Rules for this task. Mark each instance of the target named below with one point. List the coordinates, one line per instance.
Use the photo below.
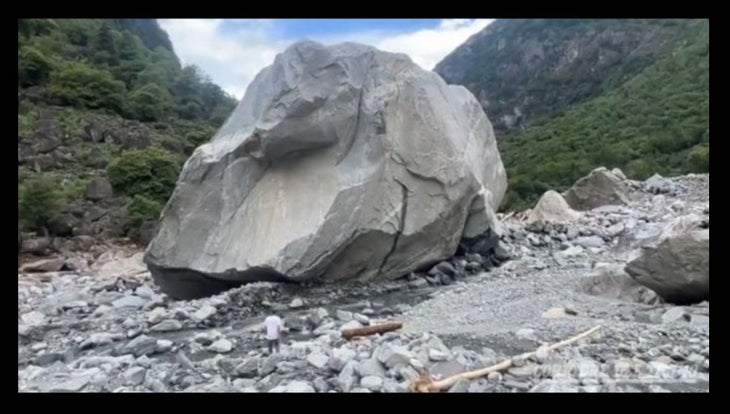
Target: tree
(698, 160)
(150, 103)
(105, 47)
(81, 85)
(39, 202)
(33, 67)
(151, 172)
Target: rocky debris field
(108, 328)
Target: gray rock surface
(678, 269)
(99, 188)
(611, 281)
(71, 339)
(552, 207)
(599, 188)
(331, 149)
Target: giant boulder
(678, 269)
(340, 162)
(599, 188)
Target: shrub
(151, 172)
(141, 209)
(81, 85)
(698, 160)
(150, 103)
(33, 67)
(39, 202)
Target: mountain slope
(106, 117)
(657, 122)
(523, 70)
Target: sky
(233, 51)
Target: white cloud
(232, 57)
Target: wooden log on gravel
(371, 330)
(424, 383)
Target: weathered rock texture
(552, 207)
(678, 269)
(599, 188)
(340, 162)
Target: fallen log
(425, 383)
(371, 330)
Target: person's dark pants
(273, 343)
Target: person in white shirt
(273, 325)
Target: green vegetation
(115, 95)
(150, 172)
(141, 209)
(39, 202)
(124, 66)
(546, 66)
(657, 122)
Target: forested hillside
(569, 95)
(106, 117)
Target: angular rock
(678, 269)
(330, 150)
(145, 291)
(134, 375)
(675, 314)
(526, 333)
(100, 338)
(362, 319)
(48, 358)
(268, 365)
(611, 281)
(99, 188)
(391, 355)
(250, 367)
(556, 386)
(321, 385)
(221, 346)
(656, 184)
(590, 241)
(370, 367)
(318, 315)
(156, 315)
(419, 283)
(340, 357)
(599, 188)
(299, 387)
(167, 325)
(163, 345)
(141, 345)
(353, 324)
(525, 371)
(347, 378)
(552, 207)
(437, 355)
(345, 316)
(75, 384)
(33, 318)
(372, 383)
(129, 302)
(317, 359)
(205, 312)
(618, 173)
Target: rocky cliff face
(341, 162)
(526, 69)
